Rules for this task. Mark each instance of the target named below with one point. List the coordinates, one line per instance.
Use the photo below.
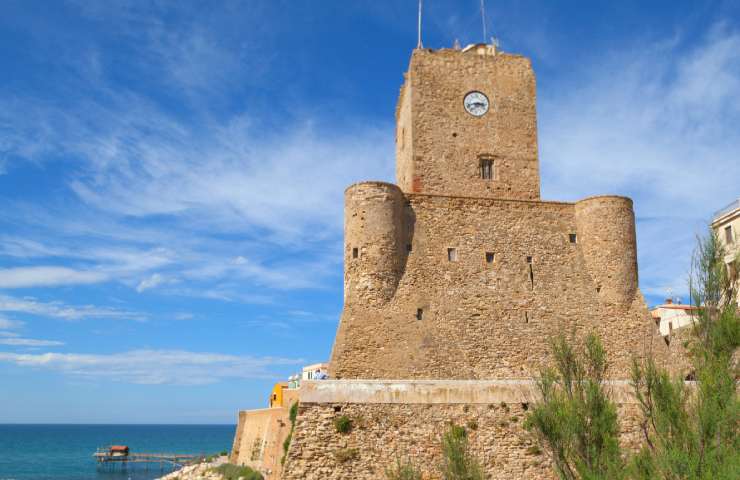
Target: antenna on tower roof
(483, 19)
(418, 43)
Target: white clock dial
(476, 103)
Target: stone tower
(443, 150)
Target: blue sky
(171, 174)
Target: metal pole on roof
(483, 18)
(418, 43)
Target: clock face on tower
(476, 103)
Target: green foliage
(234, 472)
(692, 433)
(576, 421)
(344, 455)
(292, 416)
(224, 453)
(458, 462)
(343, 424)
(293, 413)
(403, 471)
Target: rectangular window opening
(728, 234)
(355, 252)
(486, 169)
(419, 313)
(490, 257)
(526, 317)
(452, 254)
(573, 238)
(529, 259)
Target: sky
(172, 174)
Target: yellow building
(726, 225)
(276, 397)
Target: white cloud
(45, 276)
(29, 342)
(8, 324)
(60, 310)
(152, 366)
(150, 282)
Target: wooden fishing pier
(120, 455)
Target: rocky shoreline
(199, 471)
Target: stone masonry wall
(383, 432)
(482, 320)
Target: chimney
(668, 301)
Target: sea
(65, 452)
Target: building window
(486, 169)
(419, 313)
(573, 238)
(728, 234)
(355, 252)
(731, 271)
(529, 259)
(489, 257)
(452, 254)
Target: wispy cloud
(153, 366)
(8, 324)
(657, 123)
(46, 276)
(28, 342)
(32, 306)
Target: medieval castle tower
(461, 271)
(457, 277)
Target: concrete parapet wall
(429, 392)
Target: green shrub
(234, 472)
(458, 461)
(343, 424)
(346, 454)
(403, 471)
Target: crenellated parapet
(606, 236)
(374, 242)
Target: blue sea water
(64, 452)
